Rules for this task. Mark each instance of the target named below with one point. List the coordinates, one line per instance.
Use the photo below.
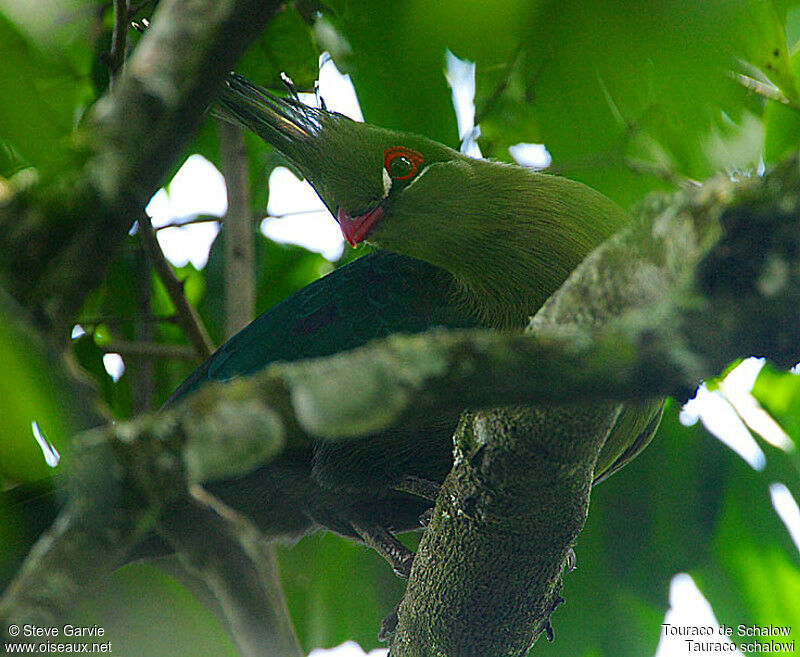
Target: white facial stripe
(418, 176)
(387, 183)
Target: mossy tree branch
(122, 152)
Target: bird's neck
(519, 240)
(505, 286)
(508, 236)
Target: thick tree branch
(126, 145)
(710, 275)
(239, 567)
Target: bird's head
(361, 172)
(508, 236)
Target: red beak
(356, 229)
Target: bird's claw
(419, 487)
(388, 624)
(386, 544)
(425, 517)
(572, 560)
(402, 568)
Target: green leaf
(337, 591)
(753, 574)
(39, 94)
(396, 69)
(779, 393)
(632, 80)
(754, 577)
(687, 504)
(782, 124)
(285, 46)
(33, 388)
(763, 44)
(145, 612)
(599, 84)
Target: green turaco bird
(466, 242)
(462, 242)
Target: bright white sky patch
(189, 244)
(348, 649)
(289, 194)
(461, 78)
(736, 389)
(787, 509)
(688, 608)
(531, 155)
(337, 90)
(49, 451)
(197, 189)
(114, 365)
(300, 216)
(185, 198)
(720, 417)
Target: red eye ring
(390, 154)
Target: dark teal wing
(374, 296)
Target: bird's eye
(401, 163)
(400, 167)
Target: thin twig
(148, 349)
(116, 320)
(141, 369)
(207, 219)
(659, 171)
(488, 105)
(613, 155)
(119, 36)
(240, 298)
(189, 221)
(763, 89)
(190, 320)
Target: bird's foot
(572, 560)
(419, 487)
(381, 540)
(425, 517)
(388, 624)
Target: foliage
(629, 97)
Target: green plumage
(507, 236)
(372, 297)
